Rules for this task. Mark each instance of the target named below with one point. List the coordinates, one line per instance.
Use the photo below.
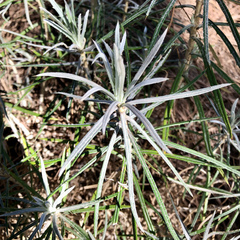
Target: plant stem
(193, 33)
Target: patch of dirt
(216, 15)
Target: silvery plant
(51, 211)
(123, 118)
(67, 23)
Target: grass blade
(121, 190)
(230, 22)
(79, 230)
(201, 113)
(134, 123)
(203, 156)
(168, 110)
(160, 23)
(27, 12)
(217, 93)
(205, 30)
(101, 179)
(154, 188)
(181, 222)
(226, 77)
(150, 225)
(206, 233)
(232, 221)
(226, 41)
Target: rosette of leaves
(67, 23)
(51, 211)
(121, 115)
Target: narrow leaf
(55, 227)
(82, 144)
(178, 95)
(226, 77)
(205, 29)
(134, 123)
(226, 41)
(217, 94)
(107, 115)
(148, 59)
(160, 23)
(144, 83)
(44, 176)
(25, 210)
(230, 21)
(204, 156)
(149, 127)
(154, 188)
(128, 154)
(101, 180)
(75, 226)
